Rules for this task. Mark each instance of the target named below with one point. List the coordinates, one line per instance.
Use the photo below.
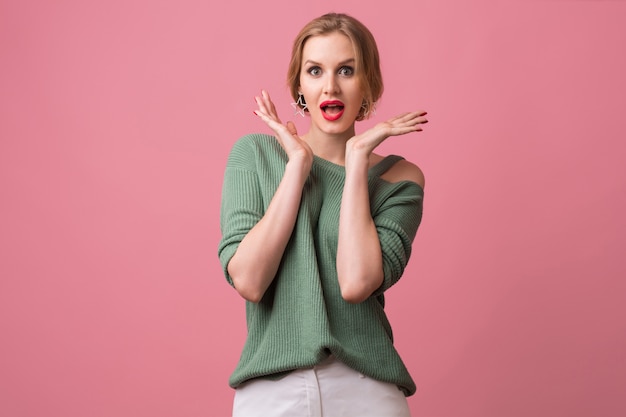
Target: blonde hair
(365, 51)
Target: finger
(416, 120)
(263, 116)
(264, 105)
(403, 130)
(405, 117)
(421, 116)
(417, 116)
(399, 118)
(269, 104)
(411, 119)
(278, 128)
(291, 127)
(268, 100)
(268, 118)
(261, 104)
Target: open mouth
(332, 109)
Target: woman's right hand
(255, 264)
(297, 149)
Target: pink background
(115, 122)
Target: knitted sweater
(302, 317)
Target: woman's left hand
(396, 126)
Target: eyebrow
(347, 61)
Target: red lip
(332, 103)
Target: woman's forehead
(334, 46)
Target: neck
(331, 147)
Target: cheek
(306, 86)
(356, 91)
(357, 97)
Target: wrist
(357, 154)
(299, 167)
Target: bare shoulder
(404, 170)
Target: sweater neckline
(375, 170)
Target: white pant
(330, 389)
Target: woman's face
(329, 83)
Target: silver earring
(367, 111)
(300, 105)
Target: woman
(316, 227)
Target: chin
(336, 127)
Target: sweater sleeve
(397, 220)
(242, 202)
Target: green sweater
(302, 317)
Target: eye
(315, 71)
(346, 71)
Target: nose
(331, 86)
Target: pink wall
(115, 122)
